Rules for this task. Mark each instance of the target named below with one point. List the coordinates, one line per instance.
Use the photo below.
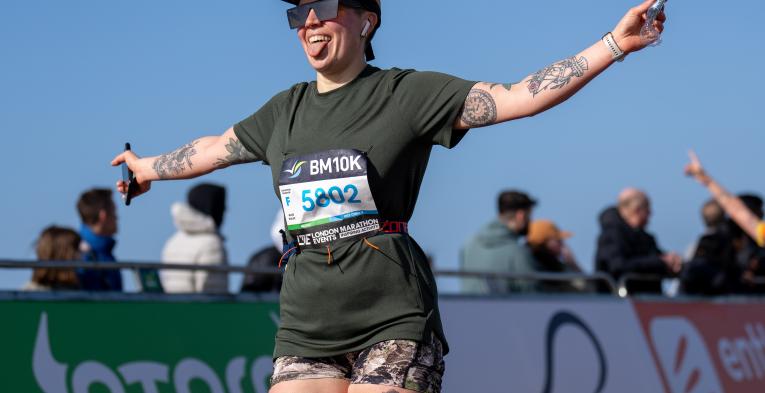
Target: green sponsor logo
(183, 348)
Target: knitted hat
(209, 199)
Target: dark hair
(513, 200)
(753, 202)
(374, 7)
(91, 202)
(57, 244)
(712, 214)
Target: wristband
(761, 234)
(616, 53)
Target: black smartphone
(127, 177)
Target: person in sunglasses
(348, 153)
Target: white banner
(555, 346)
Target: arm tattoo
(557, 75)
(507, 86)
(479, 109)
(173, 164)
(237, 154)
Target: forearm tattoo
(479, 109)
(237, 154)
(557, 75)
(171, 165)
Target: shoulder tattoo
(479, 109)
(237, 154)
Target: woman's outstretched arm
(492, 103)
(194, 159)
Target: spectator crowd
(197, 241)
(727, 259)
(512, 249)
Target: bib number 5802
(323, 198)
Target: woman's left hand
(627, 32)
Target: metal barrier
(16, 264)
(632, 277)
(617, 288)
(539, 277)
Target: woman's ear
(373, 21)
(102, 216)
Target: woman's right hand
(140, 174)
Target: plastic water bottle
(649, 32)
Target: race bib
(326, 197)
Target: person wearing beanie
(547, 244)
(197, 241)
(348, 152)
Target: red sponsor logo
(701, 347)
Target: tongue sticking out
(316, 48)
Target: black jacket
(623, 249)
(713, 269)
(267, 258)
(549, 263)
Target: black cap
(514, 200)
(369, 5)
(209, 199)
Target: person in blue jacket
(99, 225)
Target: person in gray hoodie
(197, 241)
(497, 248)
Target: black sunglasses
(324, 9)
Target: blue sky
(80, 78)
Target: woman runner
(348, 152)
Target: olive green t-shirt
(354, 294)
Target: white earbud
(365, 30)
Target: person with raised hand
(733, 206)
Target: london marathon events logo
(296, 169)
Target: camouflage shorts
(396, 363)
